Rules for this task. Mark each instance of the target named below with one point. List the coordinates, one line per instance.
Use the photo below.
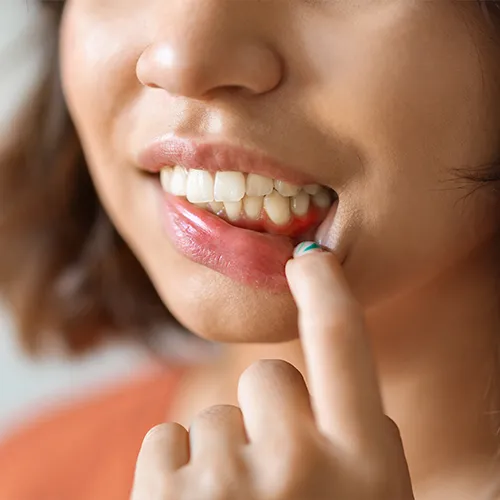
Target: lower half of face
(381, 115)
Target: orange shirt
(86, 451)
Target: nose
(208, 47)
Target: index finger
(341, 370)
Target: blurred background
(27, 386)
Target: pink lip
(252, 258)
(246, 256)
(216, 157)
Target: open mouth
(234, 210)
(251, 201)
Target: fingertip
(302, 251)
(309, 259)
(313, 272)
(306, 247)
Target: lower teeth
(279, 209)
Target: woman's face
(378, 100)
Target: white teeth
(178, 181)
(165, 176)
(312, 189)
(277, 208)
(322, 199)
(258, 185)
(200, 186)
(253, 206)
(285, 188)
(216, 206)
(300, 204)
(226, 194)
(229, 186)
(233, 209)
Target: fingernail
(306, 247)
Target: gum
(297, 226)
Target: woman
(218, 135)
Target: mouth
(233, 210)
(251, 201)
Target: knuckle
(218, 416)
(219, 412)
(268, 369)
(155, 433)
(162, 432)
(263, 367)
(162, 435)
(154, 439)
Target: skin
(335, 442)
(388, 99)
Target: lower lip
(252, 258)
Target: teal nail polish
(305, 247)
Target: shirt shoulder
(86, 450)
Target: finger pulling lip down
(250, 257)
(235, 210)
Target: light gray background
(27, 387)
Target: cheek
(404, 213)
(98, 60)
(406, 240)
(410, 87)
(99, 82)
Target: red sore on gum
(297, 226)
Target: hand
(285, 442)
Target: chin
(218, 309)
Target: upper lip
(216, 157)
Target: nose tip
(200, 70)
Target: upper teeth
(235, 191)
(200, 187)
(228, 186)
(258, 185)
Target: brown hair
(65, 272)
